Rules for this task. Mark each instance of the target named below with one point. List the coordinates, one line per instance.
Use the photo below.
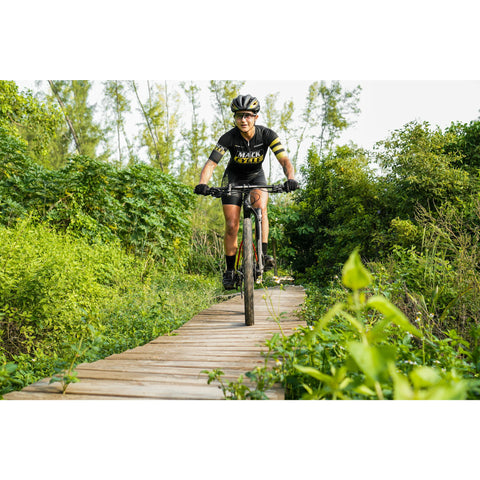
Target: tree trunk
(62, 106)
(119, 122)
(147, 120)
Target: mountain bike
(250, 251)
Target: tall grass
(441, 281)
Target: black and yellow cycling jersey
(247, 156)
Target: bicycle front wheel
(248, 272)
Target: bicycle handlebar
(220, 191)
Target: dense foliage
(416, 223)
(139, 205)
(92, 253)
(346, 202)
(58, 291)
(28, 120)
(97, 251)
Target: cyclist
(247, 143)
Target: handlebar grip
(214, 192)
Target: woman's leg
(260, 200)
(232, 222)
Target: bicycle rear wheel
(248, 273)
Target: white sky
(385, 105)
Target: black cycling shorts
(234, 178)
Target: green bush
(58, 292)
(338, 209)
(206, 253)
(439, 281)
(146, 210)
(30, 121)
(362, 347)
(421, 169)
(48, 280)
(348, 202)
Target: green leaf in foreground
(392, 314)
(354, 275)
(371, 360)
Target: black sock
(264, 248)
(230, 262)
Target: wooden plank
(170, 366)
(150, 365)
(273, 394)
(133, 389)
(231, 372)
(27, 395)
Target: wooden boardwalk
(170, 367)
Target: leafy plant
(352, 352)
(64, 367)
(139, 206)
(55, 288)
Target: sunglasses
(239, 116)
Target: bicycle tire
(248, 272)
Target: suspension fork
(258, 238)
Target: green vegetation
(146, 210)
(362, 347)
(98, 249)
(410, 329)
(59, 293)
(93, 255)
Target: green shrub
(49, 280)
(60, 295)
(27, 119)
(338, 209)
(147, 210)
(206, 253)
(362, 347)
(348, 202)
(439, 281)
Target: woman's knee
(231, 226)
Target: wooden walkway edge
(169, 367)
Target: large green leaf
(354, 275)
(371, 360)
(402, 389)
(423, 377)
(392, 314)
(313, 372)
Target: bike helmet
(245, 103)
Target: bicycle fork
(258, 244)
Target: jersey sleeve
(219, 150)
(275, 145)
(217, 153)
